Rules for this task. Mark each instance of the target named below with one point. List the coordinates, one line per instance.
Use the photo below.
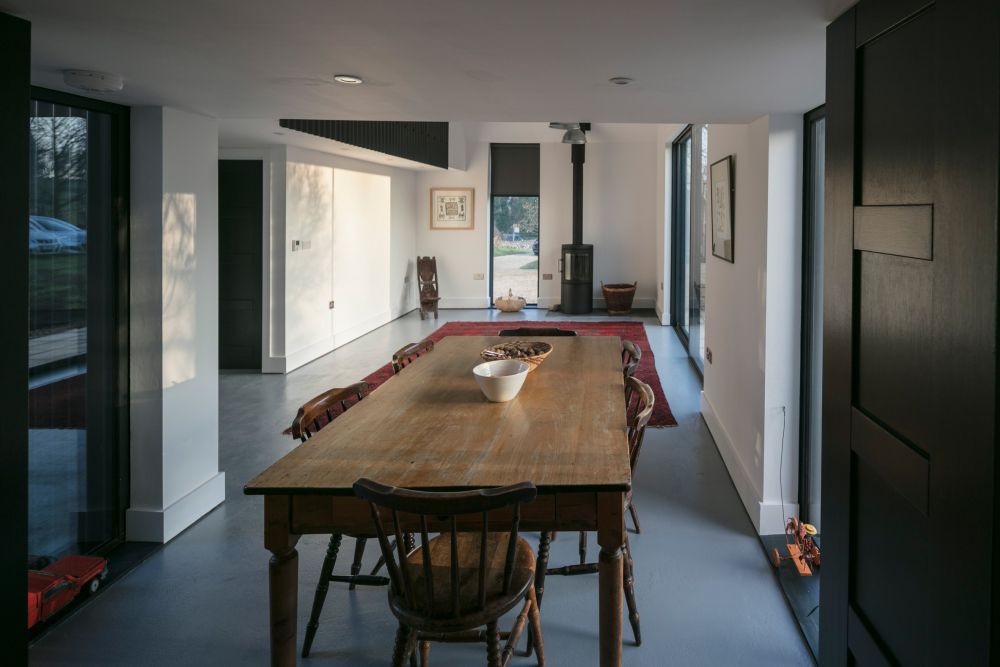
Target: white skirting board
(767, 517)
(162, 525)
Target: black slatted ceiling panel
(421, 142)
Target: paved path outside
(508, 275)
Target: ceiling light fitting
(621, 80)
(93, 82)
(573, 135)
(349, 79)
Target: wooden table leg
(283, 589)
(283, 579)
(611, 538)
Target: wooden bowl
(508, 351)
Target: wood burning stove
(577, 266)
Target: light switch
(546, 276)
(478, 276)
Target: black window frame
(680, 232)
(807, 333)
(120, 138)
(492, 196)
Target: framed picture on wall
(723, 191)
(453, 208)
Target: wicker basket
(510, 303)
(618, 297)
(490, 354)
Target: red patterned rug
(633, 331)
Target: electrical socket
(331, 305)
(546, 276)
(478, 276)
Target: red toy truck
(51, 589)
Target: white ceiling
(445, 60)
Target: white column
(174, 402)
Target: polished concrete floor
(706, 593)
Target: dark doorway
(910, 335)
(241, 215)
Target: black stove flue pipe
(577, 262)
(579, 157)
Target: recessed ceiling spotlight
(349, 79)
(621, 80)
(93, 82)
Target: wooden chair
(638, 411)
(454, 584)
(631, 354)
(313, 416)
(427, 276)
(526, 332)
(320, 411)
(405, 355)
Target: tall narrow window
(690, 210)
(681, 223)
(76, 264)
(699, 230)
(514, 218)
(812, 316)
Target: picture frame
(723, 194)
(453, 208)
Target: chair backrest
(526, 332)
(320, 411)
(443, 509)
(427, 275)
(631, 354)
(406, 354)
(639, 402)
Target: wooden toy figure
(802, 550)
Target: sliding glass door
(77, 261)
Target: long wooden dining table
(429, 427)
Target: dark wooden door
(241, 212)
(910, 362)
(15, 86)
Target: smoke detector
(93, 82)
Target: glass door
(515, 247)
(77, 261)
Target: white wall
(665, 136)
(784, 316)
(752, 312)
(622, 210)
(355, 224)
(174, 444)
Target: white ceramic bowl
(501, 380)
